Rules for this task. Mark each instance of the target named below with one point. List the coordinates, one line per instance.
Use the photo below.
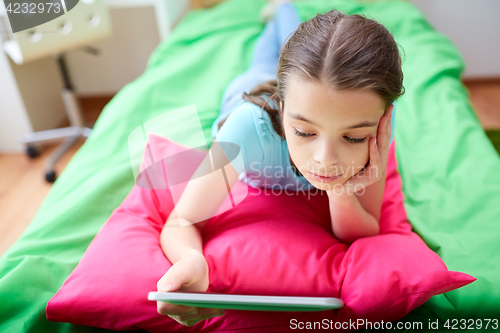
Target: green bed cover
(450, 169)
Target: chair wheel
(50, 176)
(32, 151)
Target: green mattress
(450, 170)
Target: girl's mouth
(324, 179)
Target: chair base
(69, 135)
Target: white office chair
(87, 22)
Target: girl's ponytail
(272, 105)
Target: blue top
(264, 160)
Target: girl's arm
(358, 215)
(178, 241)
(355, 216)
(371, 199)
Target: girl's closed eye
(348, 139)
(354, 140)
(304, 135)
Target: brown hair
(345, 51)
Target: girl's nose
(326, 155)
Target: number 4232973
(33, 8)
(455, 324)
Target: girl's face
(327, 130)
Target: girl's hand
(374, 171)
(190, 274)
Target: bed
(449, 168)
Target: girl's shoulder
(242, 129)
(250, 121)
(250, 128)
(265, 158)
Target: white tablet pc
(246, 302)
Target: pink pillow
(286, 247)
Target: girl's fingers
(375, 154)
(382, 130)
(387, 142)
(202, 315)
(389, 129)
(205, 313)
(375, 166)
(384, 135)
(174, 309)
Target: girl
(327, 118)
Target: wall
(473, 26)
(123, 56)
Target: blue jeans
(264, 65)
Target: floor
(22, 193)
(485, 96)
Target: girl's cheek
(361, 160)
